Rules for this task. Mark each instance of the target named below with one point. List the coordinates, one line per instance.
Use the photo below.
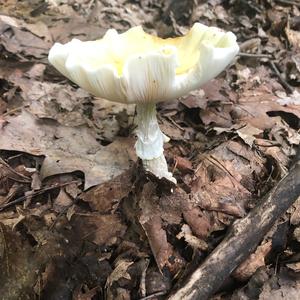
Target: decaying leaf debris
(79, 219)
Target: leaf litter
(78, 217)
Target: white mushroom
(136, 67)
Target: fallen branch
(242, 240)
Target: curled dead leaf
(253, 262)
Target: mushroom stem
(149, 145)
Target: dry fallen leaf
(281, 288)
(294, 266)
(54, 101)
(21, 42)
(200, 222)
(17, 265)
(120, 271)
(106, 196)
(294, 38)
(256, 260)
(99, 229)
(62, 201)
(66, 149)
(248, 133)
(152, 223)
(295, 215)
(192, 240)
(217, 186)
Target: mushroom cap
(136, 67)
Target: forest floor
(79, 219)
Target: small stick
(39, 192)
(281, 79)
(4, 163)
(256, 55)
(153, 295)
(12, 111)
(242, 240)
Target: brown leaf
(120, 272)
(99, 229)
(152, 224)
(171, 130)
(294, 38)
(195, 99)
(248, 134)
(217, 184)
(296, 234)
(218, 114)
(254, 108)
(17, 266)
(52, 100)
(156, 282)
(224, 178)
(276, 153)
(199, 221)
(62, 201)
(256, 260)
(76, 27)
(171, 206)
(18, 41)
(67, 149)
(106, 197)
(256, 105)
(294, 266)
(295, 215)
(280, 288)
(183, 164)
(3, 107)
(162, 250)
(87, 295)
(226, 196)
(108, 118)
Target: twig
(23, 198)
(242, 239)
(281, 79)
(12, 111)
(60, 215)
(153, 295)
(142, 287)
(4, 163)
(175, 124)
(256, 55)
